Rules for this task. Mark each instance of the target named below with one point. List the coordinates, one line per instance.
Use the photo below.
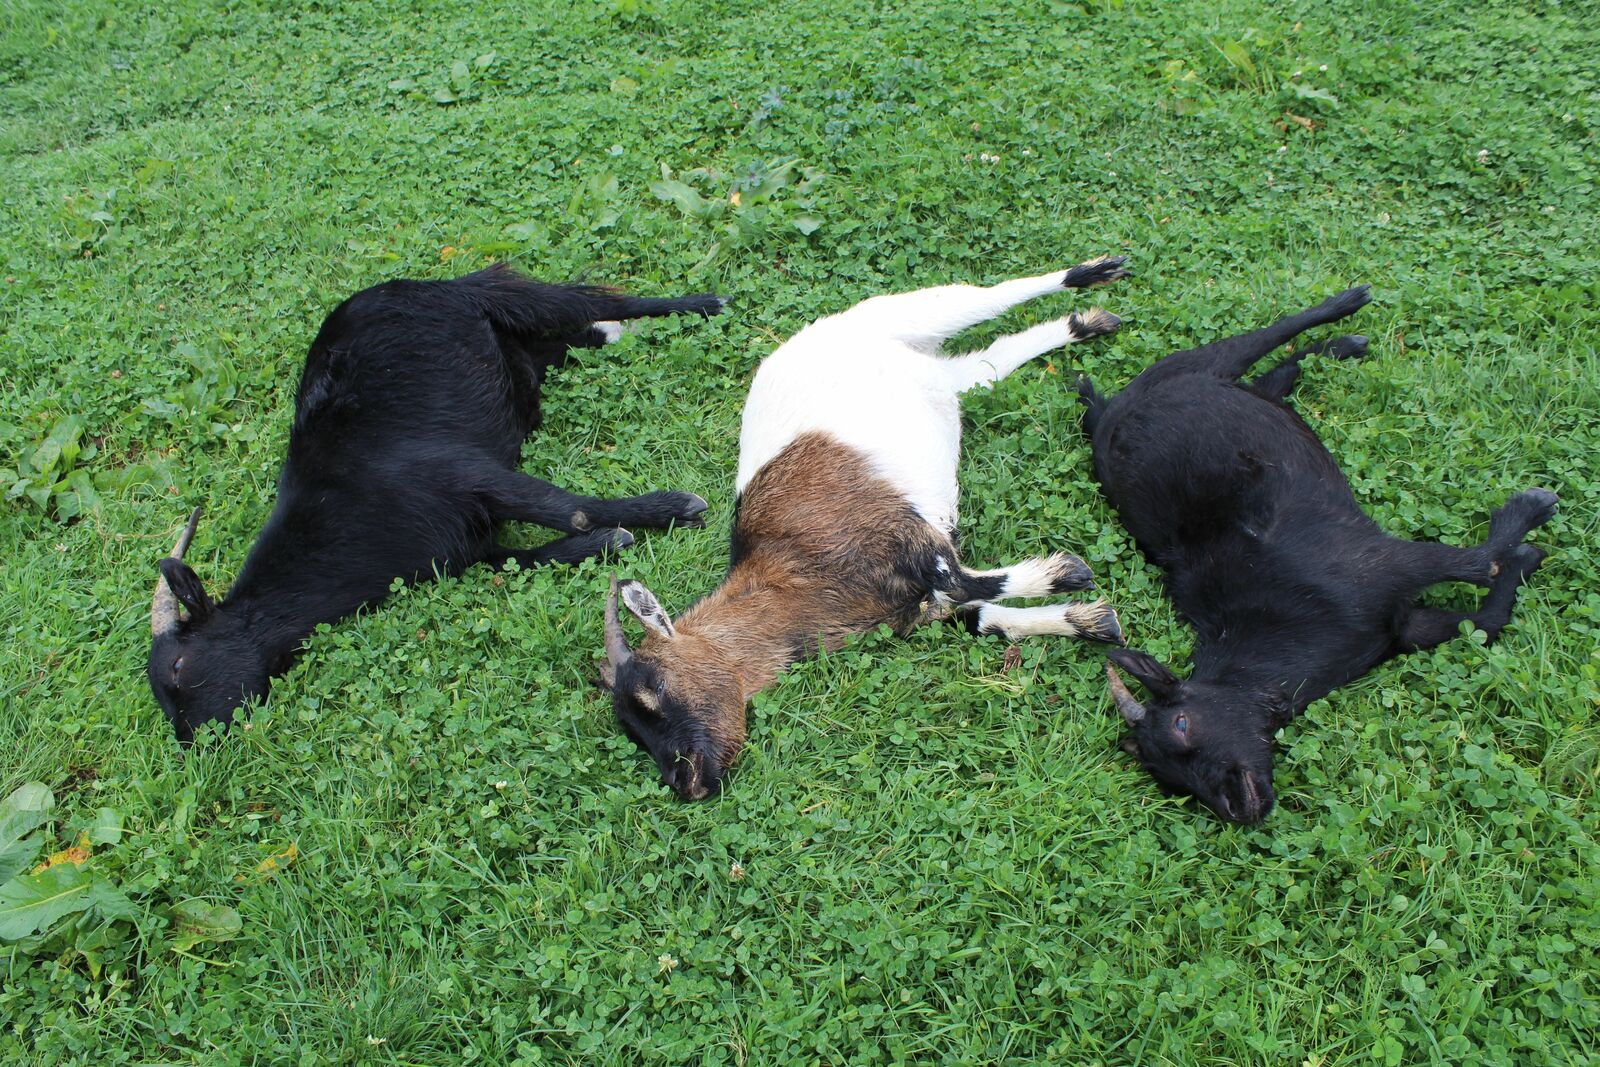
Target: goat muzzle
(1131, 709)
(617, 650)
(165, 614)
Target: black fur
(402, 460)
(1293, 591)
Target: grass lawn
(433, 845)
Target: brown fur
(821, 551)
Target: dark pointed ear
(187, 587)
(646, 608)
(1149, 670)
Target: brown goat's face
(686, 710)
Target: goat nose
(1255, 796)
(688, 777)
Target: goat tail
(1094, 403)
(519, 305)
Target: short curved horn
(1131, 709)
(164, 605)
(617, 650)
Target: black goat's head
(201, 668)
(677, 695)
(1201, 739)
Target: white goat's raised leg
(1005, 355)
(926, 317)
(1093, 622)
(1040, 577)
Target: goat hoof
(1069, 573)
(1095, 272)
(1106, 628)
(1539, 505)
(1525, 559)
(694, 507)
(1349, 301)
(1350, 346)
(707, 304)
(1096, 322)
(618, 540)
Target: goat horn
(1131, 709)
(617, 650)
(164, 606)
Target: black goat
(408, 427)
(1293, 591)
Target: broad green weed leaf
(685, 198)
(107, 827)
(194, 921)
(15, 856)
(25, 810)
(1303, 91)
(34, 901)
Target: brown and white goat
(845, 519)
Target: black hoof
(1350, 346)
(1071, 574)
(1523, 561)
(1106, 628)
(1095, 272)
(1096, 322)
(1347, 302)
(1533, 507)
(693, 509)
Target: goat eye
(1181, 724)
(177, 665)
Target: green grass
(937, 860)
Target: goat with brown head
(845, 520)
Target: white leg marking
(926, 317)
(1040, 577)
(612, 331)
(1095, 621)
(1007, 354)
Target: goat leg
(573, 549)
(1278, 381)
(516, 497)
(1232, 356)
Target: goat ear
(1152, 672)
(644, 606)
(608, 677)
(187, 587)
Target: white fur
(1033, 577)
(1068, 620)
(873, 378)
(611, 331)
